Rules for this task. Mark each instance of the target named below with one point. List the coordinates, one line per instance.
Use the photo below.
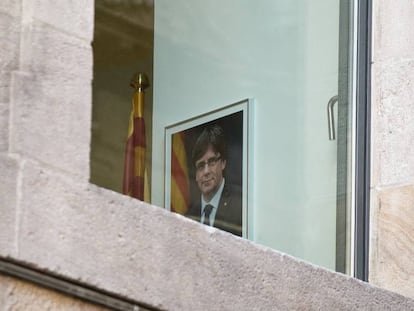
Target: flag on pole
(135, 177)
(180, 189)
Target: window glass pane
(264, 73)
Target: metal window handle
(331, 119)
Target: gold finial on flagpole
(139, 81)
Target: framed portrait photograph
(207, 168)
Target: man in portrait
(219, 204)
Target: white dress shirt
(214, 202)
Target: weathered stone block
(16, 294)
(9, 56)
(8, 205)
(4, 126)
(51, 122)
(11, 7)
(393, 34)
(51, 53)
(393, 122)
(9, 40)
(392, 237)
(5, 82)
(68, 16)
(121, 245)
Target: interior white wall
(284, 56)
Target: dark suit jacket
(229, 213)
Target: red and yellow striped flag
(134, 165)
(180, 189)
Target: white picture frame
(236, 121)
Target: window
(295, 64)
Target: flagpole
(135, 181)
(140, 82)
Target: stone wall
(392, 178)
(54, 220)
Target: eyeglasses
(210, 163)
